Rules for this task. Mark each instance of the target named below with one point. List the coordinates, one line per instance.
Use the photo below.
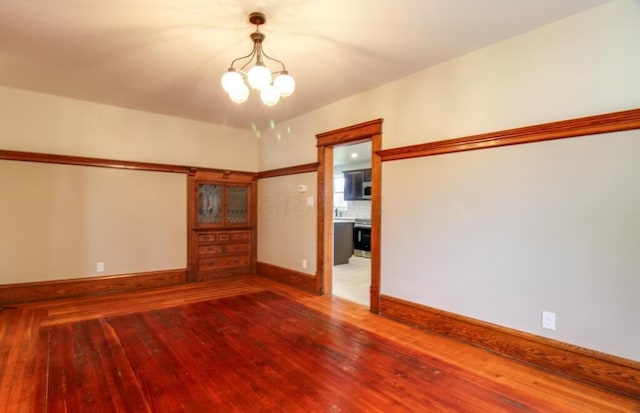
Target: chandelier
(259, 77)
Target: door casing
(366, 131)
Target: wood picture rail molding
(109, 163)
(590, 125)
(291, 170)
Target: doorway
(352, 222)
(327, 143)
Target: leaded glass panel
(210, 204)
(237, 204)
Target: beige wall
(283, 213)
(503, 234)
(36, 122)
(583, 65)
(59, 221)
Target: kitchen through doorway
(370, 131)
(352, 221)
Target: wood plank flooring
(249, 344)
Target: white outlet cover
(309, 201)
(548, 320)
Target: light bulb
(239, 94)
(270, 95)
(231, 80)
(285, 83)
(259, 76)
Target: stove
(362, 238)
(362, 223)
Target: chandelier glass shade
(271, 85)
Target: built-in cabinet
(356, 183)
(222, 220)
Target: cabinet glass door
(210, 204)
(237, 204)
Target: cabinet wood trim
(223, 233)
(291, 170)
(607, 371)
(50, 290)
(590, 125)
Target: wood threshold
(590, 125)
(51, 290)
(609, 372)
(291, 170)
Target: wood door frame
(367, 131)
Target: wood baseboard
(50, 290)
(607, 371)
(294, 278)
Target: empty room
(320, 206)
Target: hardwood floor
(250, 344)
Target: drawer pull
(206, 237)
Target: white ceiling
(167, 56)
(357, 153)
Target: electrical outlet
(100, 266)
(548, 320)
(304, 263)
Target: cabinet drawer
(223, 262)
(233, 236)
(210, 249)
(233, 248)
(207, 237)
(240, 236)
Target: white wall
(583, 65)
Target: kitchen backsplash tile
(357, 209)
